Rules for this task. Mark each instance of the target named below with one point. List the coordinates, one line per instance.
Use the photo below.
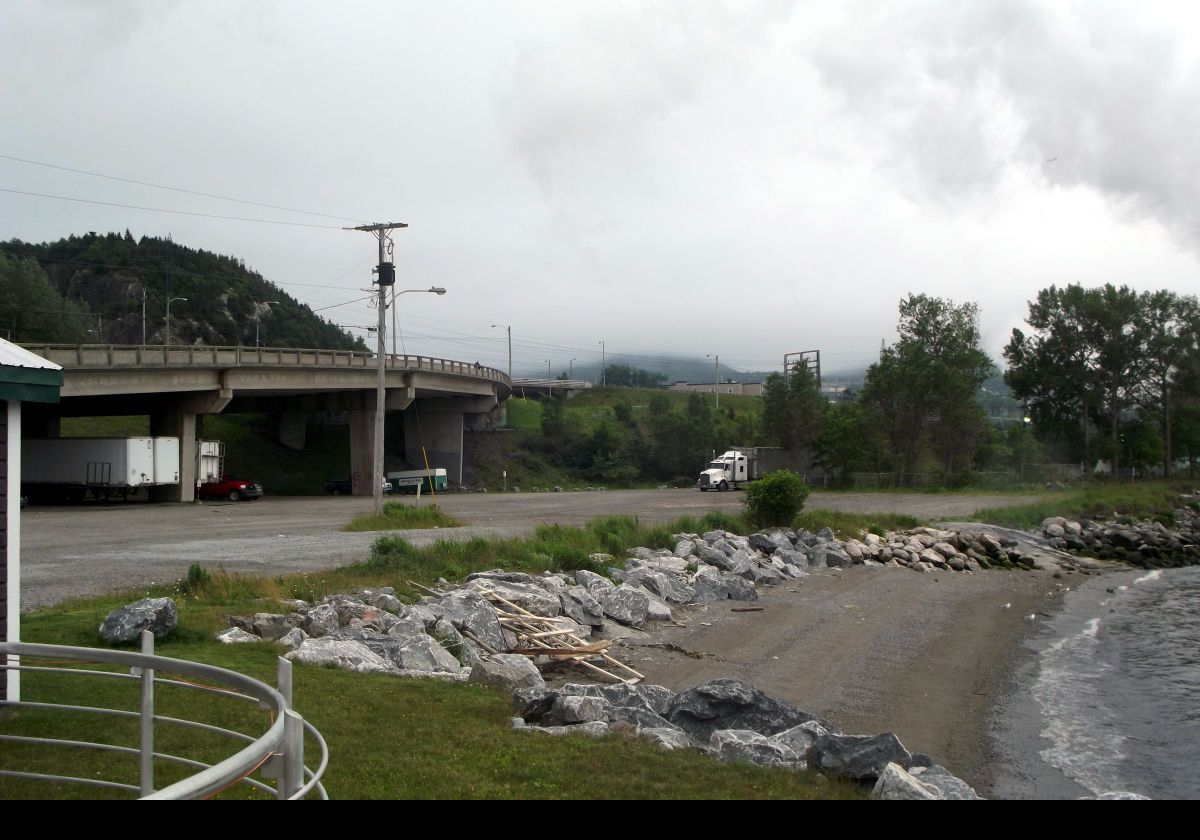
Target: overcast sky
(681, 178)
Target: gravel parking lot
(93, 549)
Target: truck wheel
(234, 496)
(724, 486)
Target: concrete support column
(441, 434)
(180, 424)
(362, 450)
(10, 583)
(292, 428)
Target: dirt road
(89, 550)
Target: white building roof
(13, 356)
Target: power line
(176, 189)
(172, 212)
(347, 303)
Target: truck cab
(730, 470)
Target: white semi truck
(747, 463)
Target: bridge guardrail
(116, 355)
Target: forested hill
(89, 289)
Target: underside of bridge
(435, 413)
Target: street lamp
(716, 376)
(169, 302)
(549, 381)
(258, 316)
(509, 328)
(381, 389)
(433, 290)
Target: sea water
(1114, 689)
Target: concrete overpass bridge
(177, 386)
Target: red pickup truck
(233, 489)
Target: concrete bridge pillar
(183, 425)
(292, 428)
(441, 435)
(362, 450)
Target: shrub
(775, 499)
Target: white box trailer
(210, 461)
(409, 480)
(71, 468)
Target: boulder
(274, 626)
(593, 729)
(627, 605)
(944, 782)
(745, 745)
(897, 785)
(581, 606)
(422, 653)
(568, 709)
(293, 638)
(237, 636)
(654, 698)
(467, 610)
(768, 542)
(671, 589)
(509, 671)
(337, 653)
(383, 598)
(596, 584)
(531, 597)
(685, 545)
(638, 717)
(800, 738)
(667, 738)
(321, 620)
(861, 757)
(158, 615)
(731, 703)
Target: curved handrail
(212, 779)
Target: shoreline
(934, 658)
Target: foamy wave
(1154, 575)
(1084, 743)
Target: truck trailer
(72, 468)
(748, 463)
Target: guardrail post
(147, 719)
(293, 755)
(283, 678)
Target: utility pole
(143, 315)
(603, 363)
(716, 376)
(572, 374)
(385, 278)
(549, 381)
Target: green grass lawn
(398, 516)
(1098, 500)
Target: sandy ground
(872, 649)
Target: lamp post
(603, 364)
(716, 375)
(549, 381)
(509, 328)
(258, 316)
(572, 374)
(169, 302)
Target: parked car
(233, 489)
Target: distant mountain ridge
(102, 279)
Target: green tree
(793, 409)
(1170, 326)
(928, 379)
(32, 310)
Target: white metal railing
(153, 355)
(278, 753)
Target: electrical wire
(177, 189)
(173, 212)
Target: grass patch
(853, 525)
(1099, 500)
(398, 516)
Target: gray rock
(533, 704)
(407, 628)
(568, 710)
(860, 757)
(158, 615)
(503, 576)
(712, 556)
(800, 738)
(422, 653)
(671, 589)
(745, 745)
(596, 584)
(581, 606)
(321, 620)
(1117, 795)
(767, 576)
(237, 636)
(274, 626)
(427, 614)
(532, 597)
(337, 653)
(467, 610)
(731, 703)
(383, 598)
(509, 671)
(667, 738)
(638, 717)
(896, 785)
(293, 638)
(772, 540)
(593, 729)
(685, 547)
(654, 698)
(946, 783)
(627, 605)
